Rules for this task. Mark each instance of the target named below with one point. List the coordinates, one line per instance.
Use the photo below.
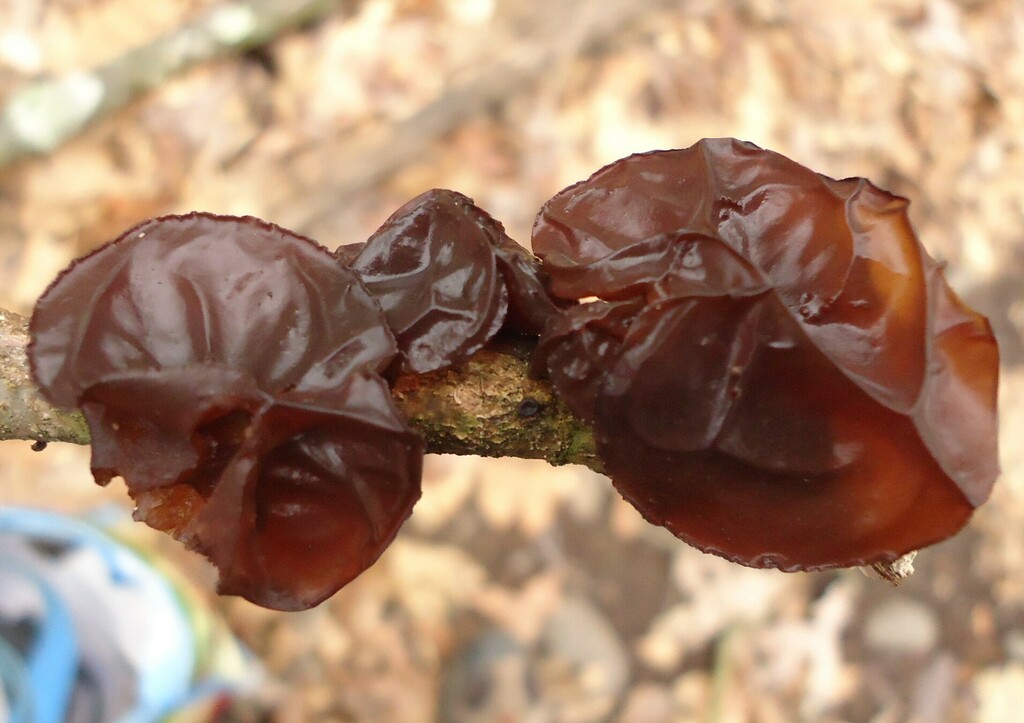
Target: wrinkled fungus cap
(203, 289)
(228, 370)
(801, 388)
(577, 347)
(448, 278)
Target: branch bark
(24, 414)
(521, 47)
(489, 407)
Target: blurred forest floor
(517, 591)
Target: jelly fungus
(229, 371)
(448, 278)
(775, 369)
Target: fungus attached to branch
(775, 369)
(228, 370)
(448, 278)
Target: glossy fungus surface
(775, 369)
(448, 278)
(228, 370)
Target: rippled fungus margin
(229, 371)
(775, 369)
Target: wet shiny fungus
(228, 370)
(775, 369)
(448, 278)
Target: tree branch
(24, 414)
(489, 407)
(40, 117)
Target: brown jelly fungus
(448, 278)
(229, 371)
(775, 369)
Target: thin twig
(514, 55)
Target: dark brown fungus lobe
(290, 497)
(203, 289)
(530, 304)
(448, 278)
(431, 267)
(229, 371)
(578, 345)
(794, 385)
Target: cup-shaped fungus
(448, 278)
(775, 369)
(229, 371)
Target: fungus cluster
(773, 367)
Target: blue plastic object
(95, 625)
